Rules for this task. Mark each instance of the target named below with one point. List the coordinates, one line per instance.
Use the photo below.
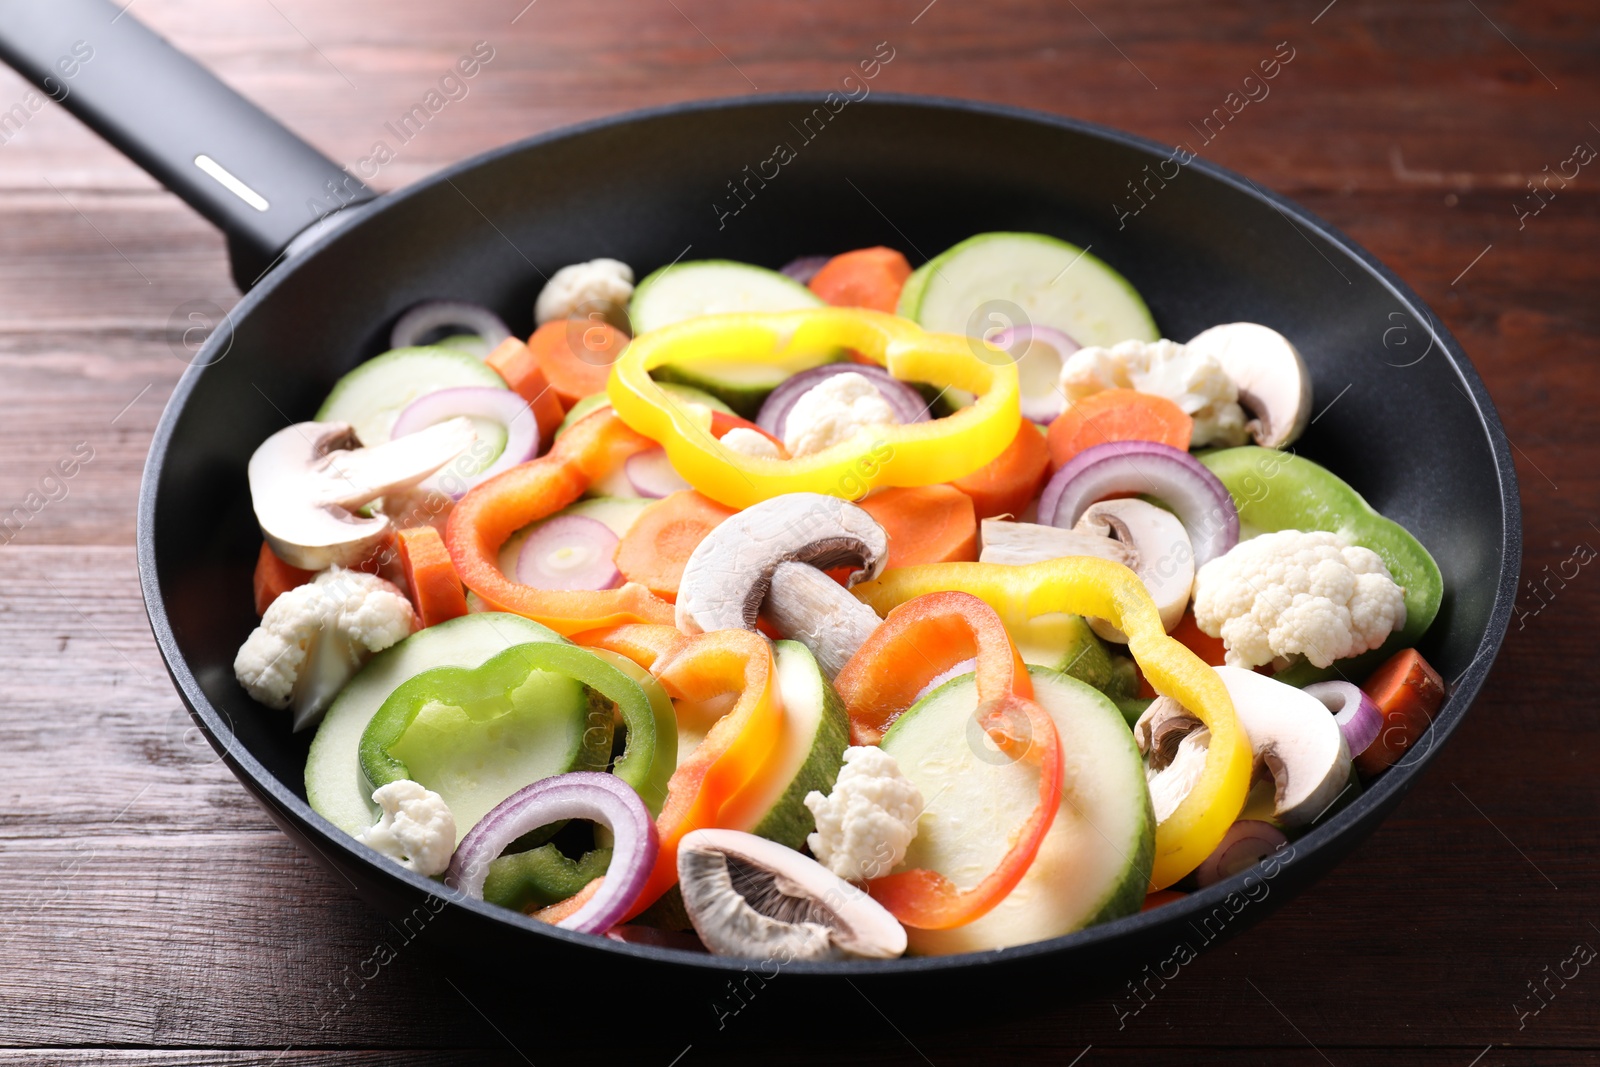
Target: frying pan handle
(229, 160)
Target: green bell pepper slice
(644, 765)
(540, 877)
(1276, 490)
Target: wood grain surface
(151, 914)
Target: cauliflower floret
(316, 636)
(834, 410)
(417, 827)
(1297, 594)
(602, 285)
(865, 825)
(1195, 381)
(750, 443)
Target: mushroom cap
(1175, 745)
(1162, 555)
(754, 898)
(1295, 740)
(307, 479)
(730, 572)
(1273, 380)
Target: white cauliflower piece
(315, 637)
(835, 410)
(1195, 381)
(865, 825)
(750, 443)
(1290, 593)
(603, 285)
(417, 827)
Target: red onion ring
(477, 401)
(1172, 476)
(1044, 405)
(803, 268)
(651, 474)
(907, 403)
(1357, 714)
(593, 569)
(1246, 844)
(417, 325)
(593, 795)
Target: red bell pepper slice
(490, 513)
(919, 640)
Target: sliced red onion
(651, 474)
(804, 268)
(1171, 475)
(593, 795)
(569, 552)
(1039, 352)
(432, 320)
(479, 402)
(1247, 843)
(907, 403)
(1357, 714)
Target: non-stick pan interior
(768, 180)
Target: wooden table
(152, 914)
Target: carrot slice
(1118, 415)
(1012, 479)
(520, 368)
(722, 422)
(1408, 691)
(274, 577)
(576, 356)
(431, 577)
(658, 545)
(925, 524)
(1210, 649)
(865, 278)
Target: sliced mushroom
(306, 481)
(810, 607)
(757, 899)
(1162, 555)
(1175, 745)
(1273, 380)
(1021, 543)
(731, 573)
(1295, 740)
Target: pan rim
(1349, 822)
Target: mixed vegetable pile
(820, 619)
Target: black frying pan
(1416, 432)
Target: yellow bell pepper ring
(922, 453)
(1083, 585)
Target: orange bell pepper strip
(1083, 585)
(490, 513)
(707, 786)
(919, 640)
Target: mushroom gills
(753, 898)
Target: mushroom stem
(1021, 543)
(810, 607)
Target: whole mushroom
(773, 554)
